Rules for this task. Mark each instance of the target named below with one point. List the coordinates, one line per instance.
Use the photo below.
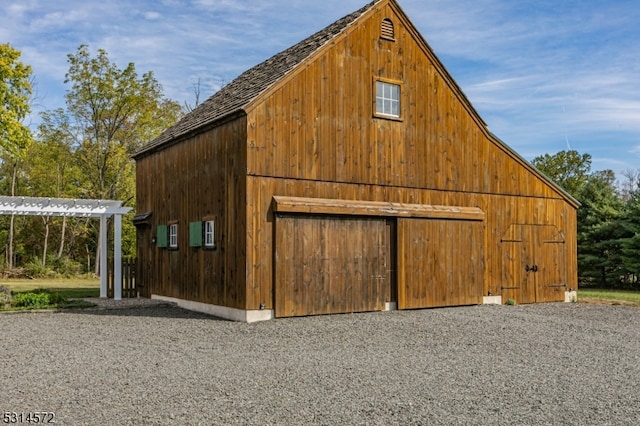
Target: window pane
(387, 99)
(208, 234)
(173, 235)
(395, 92)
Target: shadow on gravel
(155, 311)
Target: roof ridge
(254, 81)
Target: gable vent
(386, 29)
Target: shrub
(35, 269)
(511, 302)
(57, 299)
(31, 300)
(38, 298)
(64, 266)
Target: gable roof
(251, 83)
(237, 95)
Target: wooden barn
(347, 173)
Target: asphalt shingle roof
(248, 85)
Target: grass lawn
(610, 297)
(70, 288)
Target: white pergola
(103, 209)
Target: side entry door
(534, 264)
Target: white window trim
(173, 235)
(387, 113)
(209, 234)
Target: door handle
(532, 268)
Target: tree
(569, 169)
(631, 245)
(630, 185)
(600, 232)
(15, 97)
(113, 113)
(51, 171)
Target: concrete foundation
(570, 296)
(492, 300)
(225, 312)
(241, 315)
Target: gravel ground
(568, 364)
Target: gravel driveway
(564, 364)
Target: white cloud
(152, 16)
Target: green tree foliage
(631, 244)
(111, 113)
(15, 137)
(52, 172)
(52, 169)
(15, 97)
(600, 231)
(608, 218)
(84, 151)
(569, 169)
(114, 112)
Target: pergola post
(103, 255)
(117, 257)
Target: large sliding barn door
(331, 264)
(534, 264)
(440, 263)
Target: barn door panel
(518, 277)
(440, 263)
(551, 266)
(534, 267)
(328, 265)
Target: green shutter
(195, 234)
(162, 234)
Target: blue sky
(545, 75)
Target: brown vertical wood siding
(319, 124)
(200, 177)
(328, 265)
(440, 263)
(534, 269)
(314, 134)
(501, 211)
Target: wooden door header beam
(282, 204)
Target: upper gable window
(387, 30)
(387, 99)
